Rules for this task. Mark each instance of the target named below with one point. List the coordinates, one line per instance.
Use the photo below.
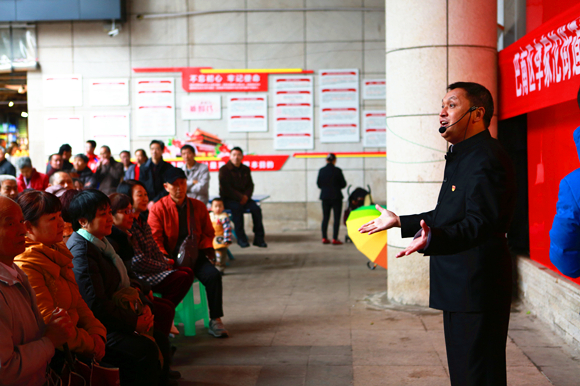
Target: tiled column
(430, 44)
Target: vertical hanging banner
(374, 128)
(59, 129)
(374, 89)
(248, 113)
(109, 92)
(339, 106)
(62, 90)
(293, 112)
(111, 129)
(155, 107)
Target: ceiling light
(24, 114)
(10, 104)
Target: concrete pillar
(430, 44)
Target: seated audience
(83, 172)
(223, 233)
(125, 242)
(109, 172)
(65, 153)
(134, 170)
(48, 264)
(125, 157)
(93, 162)
(102, 279)
(8, 186)
(29, 178)
(169, 221)
(5, 166)
(236, 189)
(151, 174)
(65, 200)
(11, 152)
(78, 184)
(59, 183)
(54, 164)
(26, 343)
(197, 175)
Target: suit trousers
(476, 346)
(336, 205)
(238, 211)
(175, 285)
(211, 278)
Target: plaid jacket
(148, 263)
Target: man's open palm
(385, 221)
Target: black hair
(125, 151)
(83, 157)
(63, 148)
(218, 199)
(479, 96)
(52, 155)
(157, 142)
(119, 201)
(85, 205)
(92, 143)
(65, 200)
(36, 203)
(143, 151)
(331, 157)
(188, 147)
(238, 149)
(107, 148)
(126, 188)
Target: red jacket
(38, 181)
(164, 222)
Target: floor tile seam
(530, 359)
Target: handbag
(188, 251)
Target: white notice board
(339, 106)
(248, 113)
(61, 129)
(201, 106)
(62, 90)
(293, 112)
(155, 107)
(111, 129)
(374, 128)
(109, 92)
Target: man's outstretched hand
(419, 243)
(386, 220)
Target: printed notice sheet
(375, 128)
(201, 106)
(109, 92)
(155, 106)
(339, 106)
(293, 112)
(248, 113)
(59, 129)
(375, 89)
(64, 90)
(111, 129)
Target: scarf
(107, 249)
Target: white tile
(157, 6)
(374, 3)
(217, 28)
(101, 54)
(204, 5)
(282, 186)
(266, 146)
(374, 25)
(54, 34)
(333, 26)
(377, 180)
(159, 31)
(276, 55)
(159, 56)
(267, 27)
(94, 33)
(55, 54)
(333, 3)
(261, 4)
(218, 55)
(333, 55)
(374, 57)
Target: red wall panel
(540, 11)
(551, 156)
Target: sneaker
(217, 329)
(336, 242)
(325, 241)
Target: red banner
(542, 68)
(194, 81)
(256, 163)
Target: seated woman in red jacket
(29, 178)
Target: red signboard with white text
(194, 81)
(543, 68)
(256, 163)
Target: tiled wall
(310, 40)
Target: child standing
(223, 233)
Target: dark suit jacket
(153, 179)
(331, 182)
(110, 176)
(235, 182)
(470, 265)
(7, 168)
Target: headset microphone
(443, 128)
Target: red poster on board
(541, 69)
(194, 81)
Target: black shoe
(243, 244)
(174, 374)
(260, 244)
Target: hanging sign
(155, 105)
(256, 163)
(194, 81)
(374, 89)
(542, 68)
(374, 128)
(293, 112)
(109, 92)
(248, 113)
(111, 129)
(201, 106)
(63, 128)
(339, 106)
(62, 90)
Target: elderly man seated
(169, 220)
(26, 343)
(59, 183)
(8, 186)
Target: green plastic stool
(189, 312)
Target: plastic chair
(189, 312)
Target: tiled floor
(297, 315)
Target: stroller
(359, 197)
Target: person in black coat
(465, 235)
(331, 182)
(152, 171)
(5, 166)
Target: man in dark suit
(151, 173)
(109, 172)
(331, 182)
(236, 189)
(465, 235)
